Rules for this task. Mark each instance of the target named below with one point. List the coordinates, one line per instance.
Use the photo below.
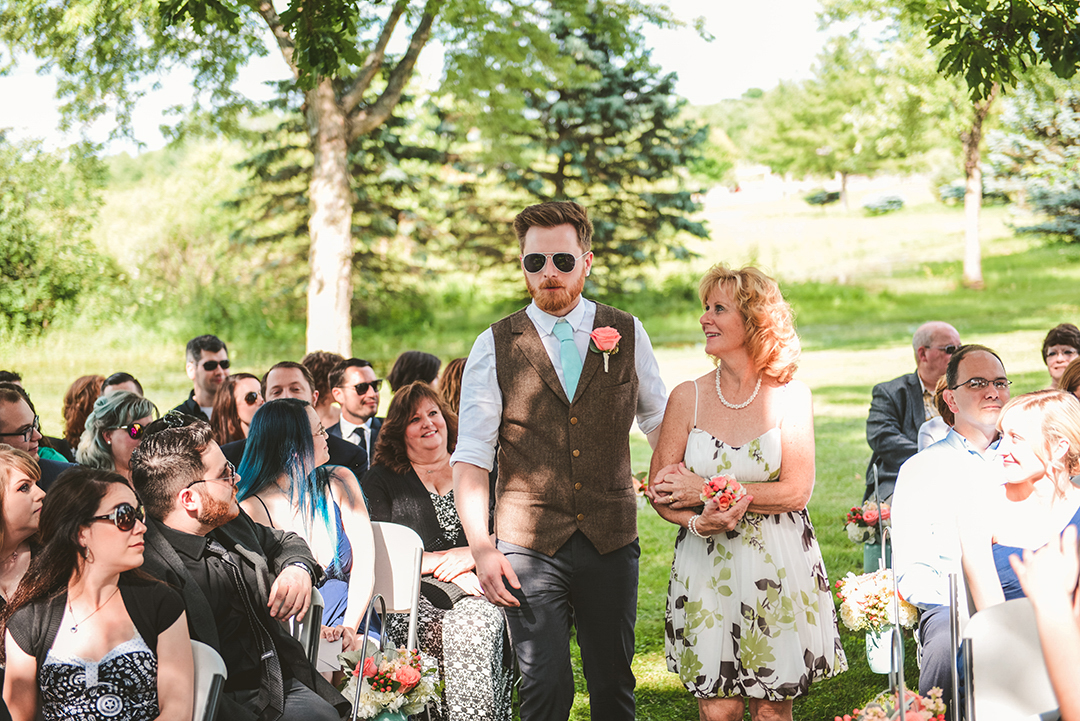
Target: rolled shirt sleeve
(480, 410)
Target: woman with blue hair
(285, 484)
(113, 430)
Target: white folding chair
(1006, 673)
(398, 554)
(308, 631)
(210, 675)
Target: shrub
(884, 204)
(822, 197)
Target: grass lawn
(855, 333)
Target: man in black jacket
(207, 367)
(239, 579)
(900, 406)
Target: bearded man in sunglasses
(556, 387)
(900, 406)
(207, 367)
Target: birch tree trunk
(972, 139)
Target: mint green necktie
(568, 355)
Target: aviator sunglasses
(124, 516)
(563, 262)
(135, 430)
(362, 388)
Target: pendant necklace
(75, 624)
(734, 406)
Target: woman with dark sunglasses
(235, 403)
(113, 430)
(87, 635)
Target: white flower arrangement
(866, 602)
(394, 680)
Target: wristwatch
(307, 570)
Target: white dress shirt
(481, 398)
(934, 488)
(347, 432)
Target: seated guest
(10, 377)
(46, 444)
(411, 484)
(450, 383)
(20, 512)
(237, 399)
(121, 381)
(239, 579)
(1059, 349)
(321, 363)
(356, 388)
(412, 366)
(88, 636)
(285, 484)
(937, 427)
(1070, 378)
(20, 428)
(1039, 452)
(293, 380)
(951, 472)
(207, 366)
(78, 404)
(113, 430)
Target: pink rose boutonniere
(722, 491)
(605, 340)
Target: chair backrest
(1007, 678)
(210, 675)
(398, 555)
(307, 632)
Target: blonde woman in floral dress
(750, 615)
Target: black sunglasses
(135, 430)
(124, 516)
(362, 388)
(250, 397)
(563, 262)
(210, 366)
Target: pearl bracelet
(691, 526)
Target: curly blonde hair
(767, 318)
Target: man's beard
(553, 302)
(217, 513)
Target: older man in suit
(900, 406)
(560, 410)
(239, 579)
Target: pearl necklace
(733, 406)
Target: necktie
(272, 689)
(568, 355)
(361, 437)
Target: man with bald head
(903, 404)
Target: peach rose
(606, 339)
(408, 677)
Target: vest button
(576, 453)
(573, 421)
(581, 516)
(577, 486)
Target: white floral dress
(749, 612)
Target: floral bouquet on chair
(916, 708)
(862, 521)
(866, 602)
(723, 491)
(393, 681)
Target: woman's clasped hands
(677, 488)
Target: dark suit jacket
(261, 552)
(342, 453)
(191, 408)
(376, 424)
(892, 429)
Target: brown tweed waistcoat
(564, 465)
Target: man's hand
(491, 567)
(291, 594)
(453, 563)
(678, 487)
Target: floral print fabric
(749, 612)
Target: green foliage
(822, 197)
(47, 263)
(884, 204)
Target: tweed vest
(565, 465)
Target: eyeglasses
(124, 516)
(362, 388)
(210, 366)
(978, 384)
(26, 431)
(135, 430)
(947, 349)
(250, 397)
(229, 477)
(1068, 352)
(563, 262)
(321, 432)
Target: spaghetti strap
(695, 403)
(271, 518)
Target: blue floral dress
(749, 612)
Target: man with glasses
(239, 579)
(356, 389)
(207, 367)
(557, 387)
(900, 406)
(933, 487)
(20, 428)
